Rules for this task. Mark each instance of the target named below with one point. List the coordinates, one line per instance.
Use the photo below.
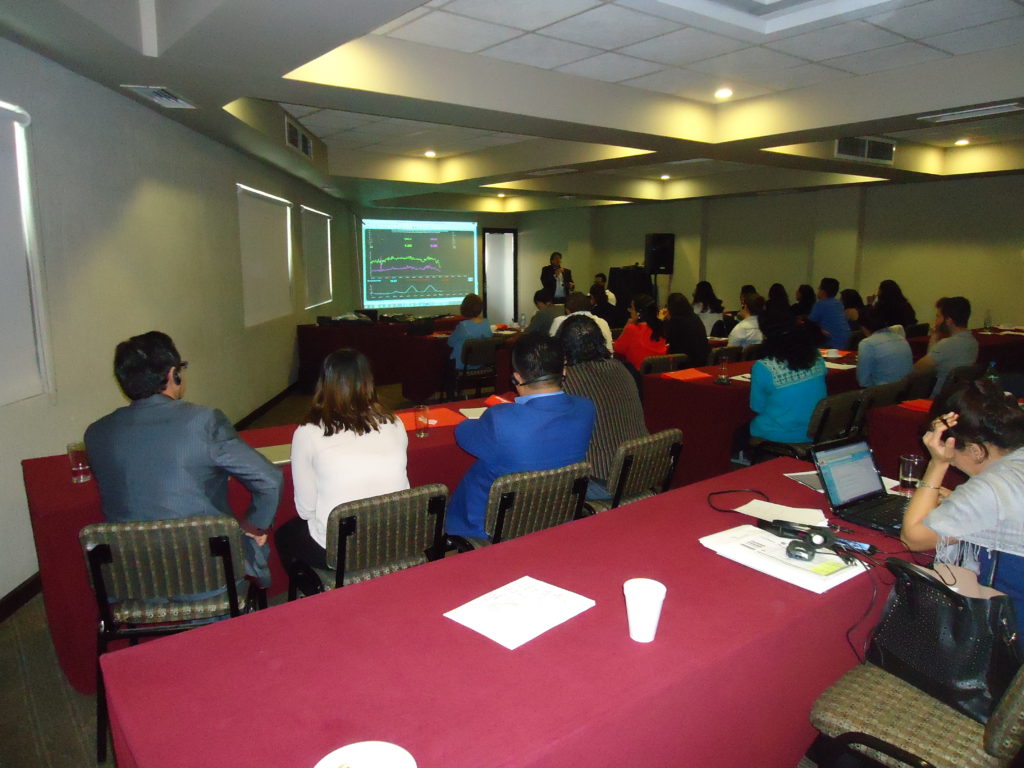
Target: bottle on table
(992, 373)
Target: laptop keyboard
(883, 512)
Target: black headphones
(817, 537)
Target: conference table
(59, 509)
(1004, 347)
(729, 680)
(709, 414)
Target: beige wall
(540, 233)
(138, 230)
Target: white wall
(138, 231)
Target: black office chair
(834, 418)
(479, 353)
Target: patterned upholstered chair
(375, 536)
(641, 467)
(137, 569)
(524, 502)
(753, 352)
(725, 354)
(834, 418)
(664, 363)
(879, 715)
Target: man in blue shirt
(883, 356)
(544, 428)
(829, 314)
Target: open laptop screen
(848, 473)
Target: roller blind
(316, 256)
(264, 234)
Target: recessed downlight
(723, 93)
(962, 142)
(665, 177)
(501, 194)
(430, 153)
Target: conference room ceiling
(564, 103)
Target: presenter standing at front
(557, 280)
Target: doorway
(501, 257)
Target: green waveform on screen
(389, 263)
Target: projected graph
(418, 263)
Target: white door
(500, 275)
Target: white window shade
(264, 234)
(316, 256)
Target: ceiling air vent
(296, 138)
(866, 150)
(159, 95)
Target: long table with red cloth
(59, 509)
(729, 680)
(709, 415)
(1006, 350)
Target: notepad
(921, 405)
(687, 374)
(439, 417)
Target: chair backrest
(382, 534)
(835, 417)
(918, 384)
(879, 396)
(644, 464)
(664, 363)
(132, 562)
(856, 337)
(729, 354)
(524, 502)
(753, 352)
(1004, 732)
(722, 327)
(917, 329)
(479, 352)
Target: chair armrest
(877, 744)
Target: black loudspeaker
(627, 282)
(659, 252)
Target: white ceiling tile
(937, 17)
(684, 46)
(609, 27)
(838, 40)
(739, 63)
(329, 121)
(539, 51)
(401, 21)
(982, 38)
(796, 77)
(688, 84)
(885, 58)
(611, 67)
(457, 33)
(297, 110)
(522, 14)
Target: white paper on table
(809, 479)
(760, 550)
(840, 366)
(520, 611)
(741, 377)
(766, 510)
(892, 487)
(472, 413)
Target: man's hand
(260, 539)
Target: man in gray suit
(161, 457)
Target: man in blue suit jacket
(544, 428)
(162, 457)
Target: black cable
(712, 494)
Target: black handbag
(960, 650)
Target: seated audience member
(951, 344)
(349, 447)
(707, 306)
(579, 304)
(829, 314)
(787, 383)
(748, 290)
(804, 301)
(616, 317)
(592, 373)
(601, 279)
(161, 458)
(544, 428)
(853, 305)
(643, 335)
(979, 429)
(748, 330)
(883, 356)
(546, 312)
(778, 299)
(475, 326)
(893, 305)
(684, 331)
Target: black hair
(851, 299)
(141, 364)
(538, 357)
(582, 340)
(577, 302)
(553, 255)
(789, 342)
(747, 290)
(777, 295)
(804, 299)
(678, 306)
(987, 415)
(754, 303)
(647, 312)
(871, 319)
(889, 291)
(472, 306)
(704, 294)
(599, 295)
(956, 308)
(543, 296)
(830, 286)
(602, 275)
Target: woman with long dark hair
(684, 331)
(348, 447)
(893, 305)
(778, 299)
(805, 298)
(643, 335)
(979, 429)
(853, 305)
(707, 305)
(787, 383)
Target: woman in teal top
(787, 383)
(475, 326)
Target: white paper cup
(643, 607)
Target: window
(316, 256)
(265, 238)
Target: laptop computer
(854, 488)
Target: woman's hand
(941, 450)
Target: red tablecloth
(1007, 350)
(709, 415)
(894, 431)
(729, 680)
(59, 509)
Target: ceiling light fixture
(665, 177)
(430, 153)
(501, 194)
(972, 112)
(723, 93)
(962, 142)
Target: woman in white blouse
(350, 447)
